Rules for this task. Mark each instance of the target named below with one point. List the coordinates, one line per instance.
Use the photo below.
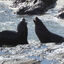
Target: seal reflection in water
(12, 38)
(44, 35)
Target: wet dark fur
(44, 35)
(12, 38)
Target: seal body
(12, 38)
(44, 35)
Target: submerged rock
(33, 6)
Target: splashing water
(46, 53)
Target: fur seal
(12, 38)
(44, 35)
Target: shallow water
(45, 53)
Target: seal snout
(24, 21)
(35, 20)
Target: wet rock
(49, 2)
(33, 6)
(16, 2)
(61, 15)
(19, 61)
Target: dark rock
(34, 6)
(49, 2)
(61, 15)
(44, 35)
(12, 38)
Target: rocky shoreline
(33, 7)
(19, 61)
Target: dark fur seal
(44, 35)
(12, 38)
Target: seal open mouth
(35, 20)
